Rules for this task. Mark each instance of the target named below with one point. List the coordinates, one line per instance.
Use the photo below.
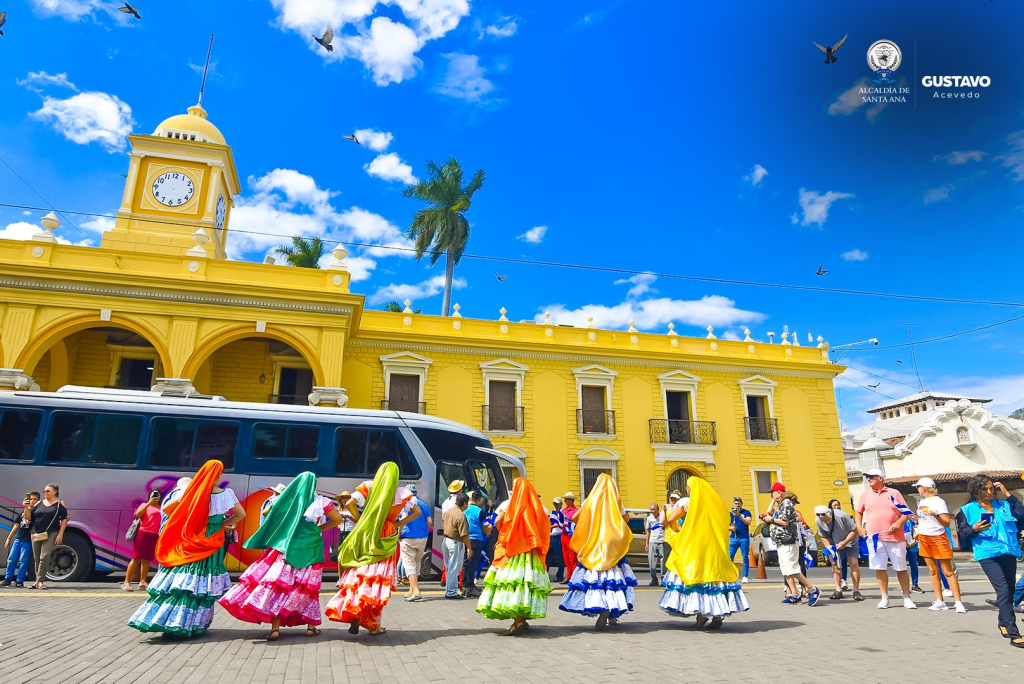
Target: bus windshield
(450, 450)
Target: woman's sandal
(517, 627)
(379, 630)
(274, 635)
(127, 586)
(143, 586)
(716, 622)
(701, 621)
(312, 631)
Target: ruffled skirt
(714, 599)
(270, 588)
(592, 592)
(363, 592)
(519, 588)
(181, 598)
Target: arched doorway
(99, 356)
(677, 481)
(257, 369)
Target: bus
(107, 448)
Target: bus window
(79, 437)
(359, 452)
(448, 445)
(19, 431)
(486, 477)
(275, 440)
(187, 444)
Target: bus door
(511, 467)
(447, 472)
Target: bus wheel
(72, 561)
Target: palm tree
(442, 227)
(302, 252)
(393, 306)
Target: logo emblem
(884, 58)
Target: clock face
(173, 188)
(222, 210)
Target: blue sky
(664, 137)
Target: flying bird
(875, 385)
(353, 138)
(830, 52)
(128, 9)
(821, 271)
(3, 18)
(499, 277)
(325, 42)
(898, 361)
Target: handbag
(133, 529)
(43, 536)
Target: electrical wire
(869, 389)
(599, 269)
(9, 168)
(945, 337)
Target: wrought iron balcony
(293, 399)
(595, 421)
(671, 431)
(766, 429)
(509, 418)
(407, 406)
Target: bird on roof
(128, 9)
(325, 42)
(830, 52)
(875, 385)
(3, 19)
(821, 270)
(499, 277)
(353, 138)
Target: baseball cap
(737, 498)
(925, 482)
(557, 500)
(778, 487)
(874, 472)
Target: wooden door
(501, 409)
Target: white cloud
(428, 288)
(385, 45)
(35, 78)
(960, 158)
(464, 78)
(648, 314)
(99, 224)
(89, 117)
(1014, 157)
(854, 255)
(72, 10)
(21, 230)
(377, 141)
(815, 206)
(756, 175)
(1007, 392)
(937, 194)
(360, 268)
(503, 28)
(849, 101)
(390, 167)
(534, 236)
(641, 284)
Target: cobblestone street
(77, 634)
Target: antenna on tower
(913, 350)
(205, 69)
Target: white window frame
(758, 386)
(504, 370)
(595, 376)
(753, 485)
(597, 458)
(405, 363)
(117, 353)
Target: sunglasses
(823, 515)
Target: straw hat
(456, 486)
(278, 489)
(569, 495)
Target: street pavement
(77, 634)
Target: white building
(946, 437)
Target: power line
(949, 336)
(869, 389)
(596, 269)
(880, 377)
(9, 168)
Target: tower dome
(192, 126)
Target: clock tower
(181, 179)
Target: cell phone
(987, 517)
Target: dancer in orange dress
(368, 557)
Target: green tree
(302, 252)
(442, 228)
(393, 306)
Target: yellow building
(159, 300)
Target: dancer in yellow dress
(701, 579)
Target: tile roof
(955, 477)
(893, 441)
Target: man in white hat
(569, 509)
(838, 531)
(455, 488)
(555, 558)
(275, 491)
(886, 512)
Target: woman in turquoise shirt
(990, 526)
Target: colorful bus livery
(107, 448)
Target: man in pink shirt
(885, 538)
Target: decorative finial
(199, 240)
(503, 312)
(796, 339)
(547, 318)
(821, 342)
(746, 332)
(771, 337)
(408, 307)
(785, 335)
(672, 329)
(631, 328)
(711, 333)
(49, 223)
(590, 321)
(456, 308)
(339, 253)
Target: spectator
(568, 555)
(836, 505)
(654, 527)
(935, 548)
(477, 537)
(144, 544)
(990, 525)
(785, 532)
(671, 530)
(48, 519)
(555, 558)
(454, 489)
(275, 492)
(456, 544)
(739, 534)
(412, 543)
(886, 511)
(910, 532)
(348, 518)
(838, 531)
(19, 541)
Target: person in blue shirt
(412, 542)
(913, 553)
(739, 534)
(477, 538)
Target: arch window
(677, 481)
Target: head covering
(874, 472)
(344, 494)
(778, 487)
(674, 495)
(184, 537)
(456, 486)
(525, 527)
(286, 528)
(278, 488)
(365, 544)
(412, 488)
(557, 500)
(602, 537)
(569, 495)
(820, 510)
(700, 551)
(925, 482)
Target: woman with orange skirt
(368, 557)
